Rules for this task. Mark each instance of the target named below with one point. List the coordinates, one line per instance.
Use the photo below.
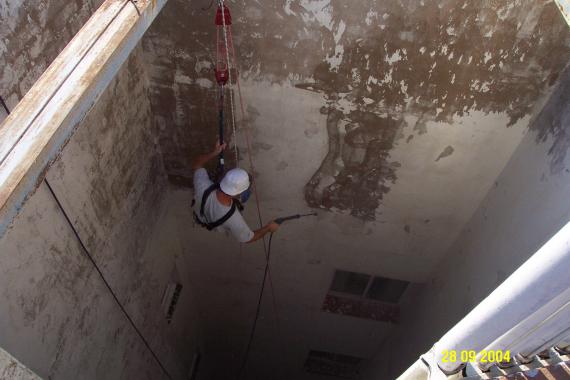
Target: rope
(254, 187)
(209, 6)
(4, 105)
(92, 260)
(221, 162)
(266, 249)
(257, 312)
(221, 3)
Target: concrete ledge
(564, 6)
(41, 124)
(12, 369)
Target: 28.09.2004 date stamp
(464, 356)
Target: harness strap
(205, 196)
(219, 222)
(223, 219)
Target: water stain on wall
(356, 172)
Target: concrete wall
(393, 119)
(526, 206)
(57, 317)
(369, 112)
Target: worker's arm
(260, 233)
(200, 161)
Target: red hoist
(224, 46)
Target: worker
(215, 204)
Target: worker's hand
(219, 148)
(272, 226)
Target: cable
(251, 335)
(86, 251)
(209, 6)
(254, 187)
(226, 45)
(4, 105)
(134, 2)
(258, 310)
(266, 249)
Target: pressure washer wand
(291, 217)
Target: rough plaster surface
(32, 34)
(394, 118)
(378, 67)
(525, 207)
(225, 281)
(57, 316)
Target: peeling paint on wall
(357, 171)
(448, 151)
(434, 60)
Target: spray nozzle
(291, 217)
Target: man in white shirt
(215, 205)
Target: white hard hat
(235, 181)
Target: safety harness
(210, 226)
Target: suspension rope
(232, 108)
(266, 248)
(267, 273)
(248, 141)
(257, 312)
(254, 187)
(4, 105)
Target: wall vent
(386, 289)
(365, 296)
(170, 299)
(331, 364)
(350, 282)
(367, 286)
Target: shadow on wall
(553, 123)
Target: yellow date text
(464, 356)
